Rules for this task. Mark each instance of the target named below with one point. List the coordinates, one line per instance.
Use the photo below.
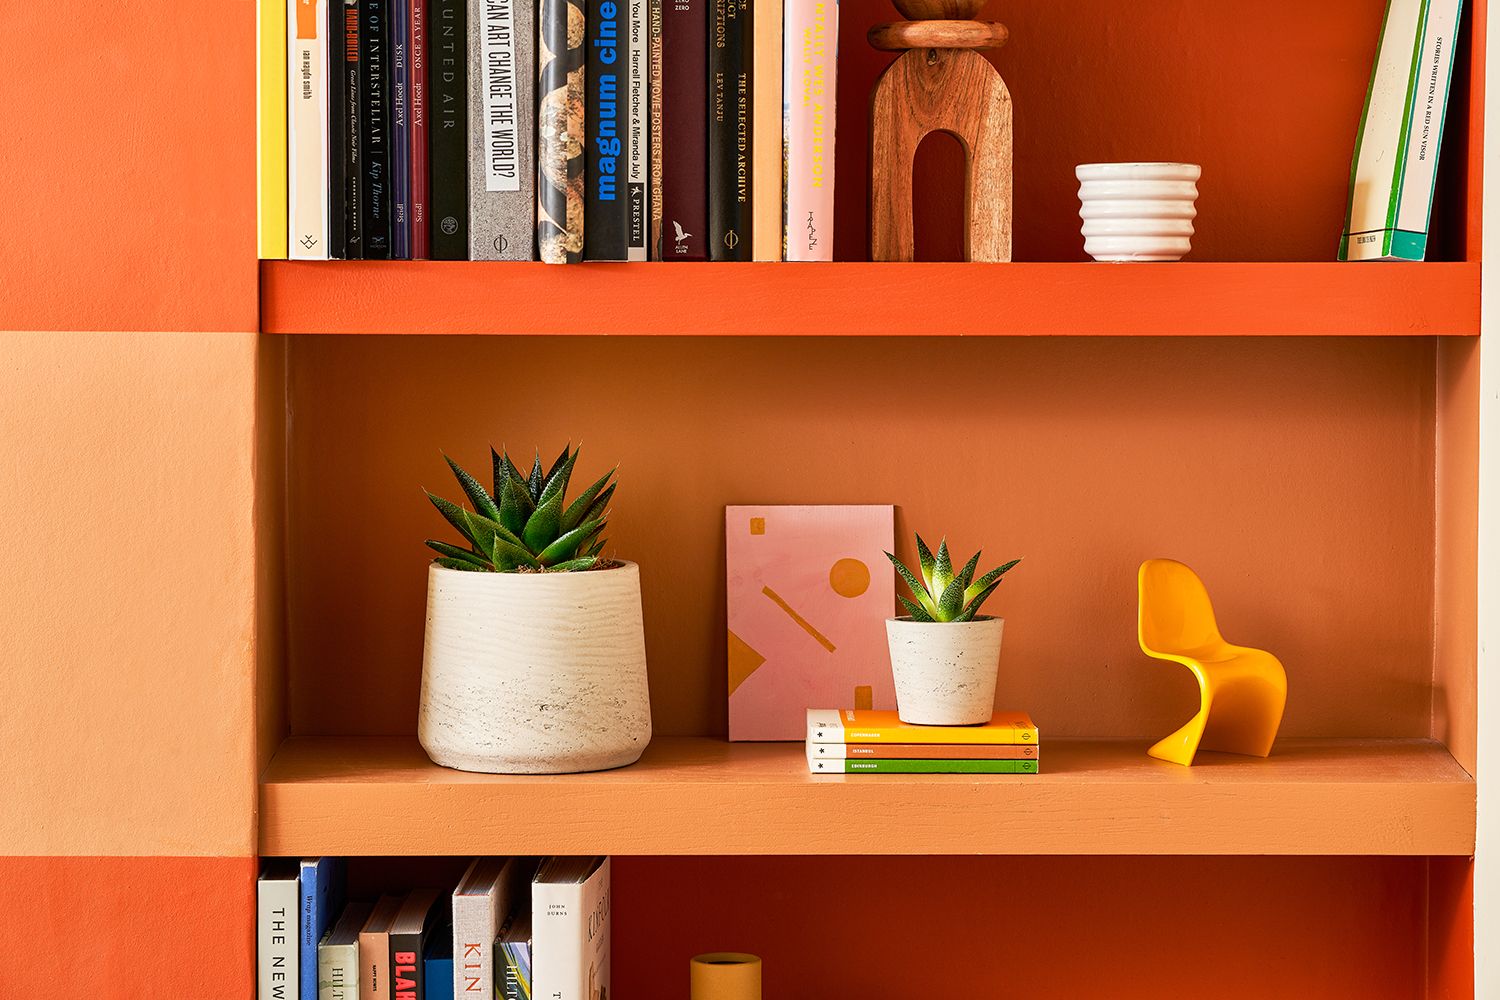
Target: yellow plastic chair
(1243, 690)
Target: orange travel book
(826, 725)
(924, 751)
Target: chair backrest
(1175, 612)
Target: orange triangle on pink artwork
(743, 661)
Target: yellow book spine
(270, 122)
(768, 181)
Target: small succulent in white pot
(535, 656)
(944, 654)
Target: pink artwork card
(809, 591)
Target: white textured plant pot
(945, 671)
(534, 673)
(1137, 211)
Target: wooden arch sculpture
(940, 83)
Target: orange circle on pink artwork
(849, 578)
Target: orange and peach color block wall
(128, 311)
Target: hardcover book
(437, 978)
(338, 955)
(872, 726)
(684, 189)
(809, 590)
(319, 897)
(653, 45)
(448, 121)
(307, 117)
(271, 129)
(812, 39)
(374, 128)
(344, 239)
(828, 765)
(502, 127)
(410, 929)
(606, 211)
(421, 162)
(276, 944)
(484, 898)
(768, 145)
(375, 950)
(1396, 151)
(923, 751)
(638, 132)
(513, 957)
(400, 112)
(730, 51)
(570, 929)
(560, 132)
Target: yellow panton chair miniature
(1243, 690)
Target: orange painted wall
(1295, 475)
(1455, 653)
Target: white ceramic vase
(1137, 211)
(534, 673)
(945, 671)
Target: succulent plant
(527, 523)
(941, 594)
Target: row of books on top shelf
(553, 130)
(865, 741)
(513, 928)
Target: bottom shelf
(701, 796)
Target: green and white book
(1396, 154)
(835, 765)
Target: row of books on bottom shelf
(513, 928)
(864, 741)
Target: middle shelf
(696, 795)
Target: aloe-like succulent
(527, 523)
(941, 594)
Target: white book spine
(570, 938)
(307, 129)
(474, 929)
(276, 939)
(638, 131)
(830, 751)
(338, 971)
(810, 85)
(824, 726)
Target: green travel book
(827, 765)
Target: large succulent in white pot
(945, 655)
(535, 655)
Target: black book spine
(406, 965)
(343, 130)
(729, 61)
(399, 47)
(374, 126)
(606, 209)
(448, 127)
(684, 159)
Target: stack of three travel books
(856, 741)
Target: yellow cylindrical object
(725, 975)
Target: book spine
(276, 939)
(307, 138)
(314, 883)
(338, 971)
(374, 966)
(344, 237)
(399, 14)
(685, 130)
(448, 114)
(474, 922)
(437, 979)
(421, 153)
(374, 125)
(502, 90)
(271, 129)
(922, 751)
(558, 965)
(823, 765)
(560, 132)
(606, 209)
(406, 966)
(638, 133)
(729, 123)
(654, 58)
(811, 65)
(1427, 114)
(768, 143)
(514, 982)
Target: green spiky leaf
(924, 558)
(459, 564)
(917, 590)
(498, 473)
(600, 504)
(942, 570)
(493, 538)
(951, 604)
(558, 462)
(557, 479)
(984, 582)
(574, 565)
(972, 608)
(515, 506)
(967, 573)
(454, 552)
(454, 515)
(573, 516)
(544, 525)
(918, 614)
(535, 481)
(481, 500)
(568, 543)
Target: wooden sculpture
(940, 83)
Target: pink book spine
(811, 42)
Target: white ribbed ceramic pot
(534, 673)
(1137, 211)
(945, 671)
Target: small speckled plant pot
(534, 673)
(945, 671)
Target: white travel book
(570, 929)
(1396, 154)
(307, 195)
(276, 931)
(485, 896)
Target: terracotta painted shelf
(847, 299)
(331, 795)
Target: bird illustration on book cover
(809, 593)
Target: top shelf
(864, 299)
